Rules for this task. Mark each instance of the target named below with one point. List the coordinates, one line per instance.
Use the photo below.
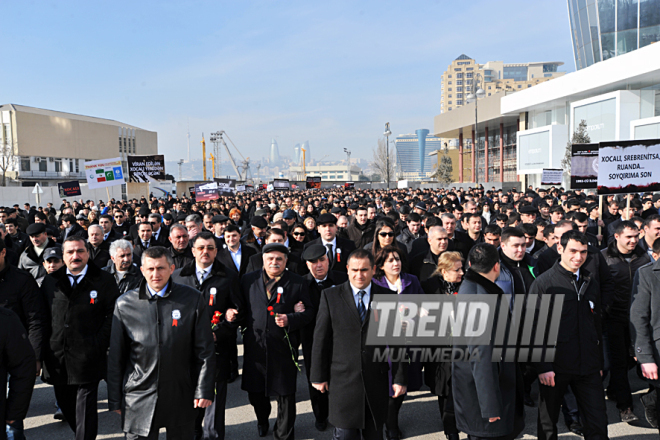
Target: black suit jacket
(224, 256)
(339, 262)
(344, 360)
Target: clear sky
(331, 72)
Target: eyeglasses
(298, 234)
(386, 234)
(119, 216)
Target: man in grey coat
(488, 396)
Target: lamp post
(474, 97)
(180, 162)
(387, 134)
(348, 163)
(215, 139)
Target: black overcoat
(268, 360)
(77, 351)
(226, 296)
(153, 358)
(341, 357)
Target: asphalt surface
(419, 418)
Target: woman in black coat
(446, 280)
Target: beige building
(327, 173)
(46, 146)
(493, 77)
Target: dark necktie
(75, 280)
(331, 255)
(361, 309)
(145, 244)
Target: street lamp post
(387, 134)
(348, 163)
(474, 97)
(215, 139)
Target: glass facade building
(602, 29)
(411, 154)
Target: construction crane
(242, 171)
(212, 162)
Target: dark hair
(380, 224)
(105, 216)
(635, 204)
(514, 217)
(562, 223)
(625, 224)
(232, 228)
(74, 238)
(656, 246)
(493, 229)
(145, 224)
(413, 217)
(501, 218)
(579, 216)
(549, 229)
(393, 215)
(202, 236)
(511, 232)
(557, 208)
(529, 229)
(274, 231)
(360, 208)
(11, 221)
(573, 235)
(432, 221)
(156, 252)
(361, 254)
(281, 224)
(483, 257)
(3, 246)
(41, 216)
(382, 256)
(470, 216)
(651, 218)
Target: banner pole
(600, 213)
(107, 191)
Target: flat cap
(528, 209)
(354, 206)
(258, 222)
(421, 205)
(324, 219)
(219, 219)
(314, 252)
(181, 217)
(275, 247)
(36, 228)
(289, 214)
(144, 211)
(336, 210)
(80, 217)
(656, 197)
(260, 212)
(168, 216)
(54, 252)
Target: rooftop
(58, 114)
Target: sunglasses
(386, 234)
(299, 234)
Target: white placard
(103, 173)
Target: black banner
(139, 167)
(281, 185)
(226, 187)
(584, 166)
(313, 183)
(69, 189)
(349, 185)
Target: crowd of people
(154, 295)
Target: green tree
(580, 136)
(445, 168)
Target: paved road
(419, 417)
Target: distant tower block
(296, 154)
(308, 152)
(274, 152)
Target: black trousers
(590, 398)
(183, 432)
(286, 413)
(210, 422)
(370, 431)
(319, 400)
(617, 340)
(447, 413)
(393, 409)
(78, 404)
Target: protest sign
(629, 166)
(140, 168)
(313, 182)
(281, 185)
(69, 189)
(206, 191)
(584, 166)
(226, 187)
(551, 176)
(104, 173)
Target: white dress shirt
(365, 298)
(80, 275)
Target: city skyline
(330, 74)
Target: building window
(449, 89)
(449, 104)
(134, 147)
(58, 165)
(450, 97)
(470, 75)
(25, 164)
(449, 109)
(449, 82)
(77, 166)
(459, 82)
(43, 165)
(459, 95)
(529, 85)
(519, 86)
(459, 102)
(449, 76)
(468, 88)
(469, 68)
(459, 75)
(459, 89)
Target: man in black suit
(338, 249)
(144, 241)
(320, 277)
(233, 254)
(142, 216)
(99, 252)
(109, 235)
(350, 374)
(159, 231)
